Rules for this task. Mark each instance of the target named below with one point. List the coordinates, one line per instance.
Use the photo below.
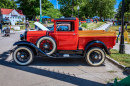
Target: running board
(59, 55)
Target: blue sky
(54, 3)
(117, 3)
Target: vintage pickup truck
(69, 43)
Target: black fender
(96, 41)
(30, 44)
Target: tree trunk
(72, 8)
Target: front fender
(30, 44)
(96, 41)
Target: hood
(42, 27)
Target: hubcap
(46, 46)
(23, 55)
(95, 57)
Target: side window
(65, 26)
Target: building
(13, 15)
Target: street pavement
(52, 72)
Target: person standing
(1, 26)
(113, 22)
(125, 26)
(46, 23)
(27, 25)
(119, 31)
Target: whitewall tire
(95, 56)
(23, 55)
(45, 46)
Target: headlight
(21, 36)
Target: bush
(105, 21)
(84, 25)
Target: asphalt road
(52, 72)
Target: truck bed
(96, 33)
(108, 38)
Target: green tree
(9, 4)
(31, 7)
(126, 11)
(88, 8)
(53, 13)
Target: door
(66, 37)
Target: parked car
(6, 21)
(64, 44)
(83, 21)
(88, 20)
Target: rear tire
(23, 55)
(95, 56)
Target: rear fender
(96, 41)
(30, 44)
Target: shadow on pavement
(51, 74)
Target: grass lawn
(123, 59)
(116, 28)
(91, 26)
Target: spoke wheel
(47, 45)
(23, 55)
(95, 56)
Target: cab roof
(70, 18)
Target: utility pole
(122, 45)
(56, 4)
(40, 12)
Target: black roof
(70, 18)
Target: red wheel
(47, 45)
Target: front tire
(23, 55)
(95, 56)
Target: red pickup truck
(69, 43)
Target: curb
(116, 63)
(124, 68)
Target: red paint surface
(70, 40)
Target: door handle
(74, 34)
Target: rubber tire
(50, 39)
(29, 51)
(88, 53)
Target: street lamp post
(40, 12)
(78, 10)
(122, 45)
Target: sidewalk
(105, 26)
(127, 47)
